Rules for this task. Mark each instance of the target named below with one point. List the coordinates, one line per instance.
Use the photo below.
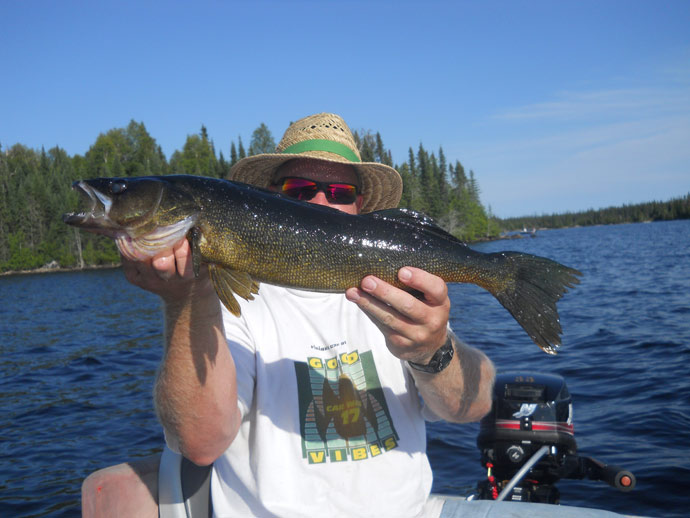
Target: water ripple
(79, 352)
(625, 356)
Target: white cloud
(587, 149)
(623, 103)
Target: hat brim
(381, 184)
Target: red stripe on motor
(537, 426)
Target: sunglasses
(303, 189)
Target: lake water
(79, 351)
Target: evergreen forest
(676, 208)
(35, 190)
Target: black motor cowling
(529, 411)
(527, 442)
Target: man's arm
(415, 328)
(195, 392)
(461, 392)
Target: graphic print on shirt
(343, 413)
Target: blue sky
(556, 106)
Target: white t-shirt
(332, 422)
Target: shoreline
(61, 269)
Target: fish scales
(249, 236)
(302, 251)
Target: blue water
(79, 351)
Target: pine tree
(380, 154)
(233, 154)
(458, 177)
(412, 186)
(262, 141)
(366, 144)
(222, 167)
(473, 188)
(408, 183)
(431, 202)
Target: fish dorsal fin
(413, 219)
(229, 282)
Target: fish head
(135, 205)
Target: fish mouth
(137, 239)
(94, 216)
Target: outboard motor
(527, 442)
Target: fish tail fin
(529, 290)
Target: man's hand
(169, 274)
(414, 327)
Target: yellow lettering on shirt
(317, 457)
(338, 455)
(350, 416)
(349, 359)
(359, 453)
(390, 443)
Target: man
(309, 403)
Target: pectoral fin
(194, 236)
(230, 282)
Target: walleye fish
(248, 235)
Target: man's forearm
(462, 391)
(196, 392)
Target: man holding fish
(306, 403)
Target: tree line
(35, 189)
(675, 208)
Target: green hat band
(323, 145)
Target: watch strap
(439, 361)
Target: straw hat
(324, 136)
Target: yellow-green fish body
(249, 235)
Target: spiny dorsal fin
(229, 282)
(413, 219)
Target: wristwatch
(439, 360)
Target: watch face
(439, 360)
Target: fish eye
(118, 187)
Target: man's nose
(319, 199)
